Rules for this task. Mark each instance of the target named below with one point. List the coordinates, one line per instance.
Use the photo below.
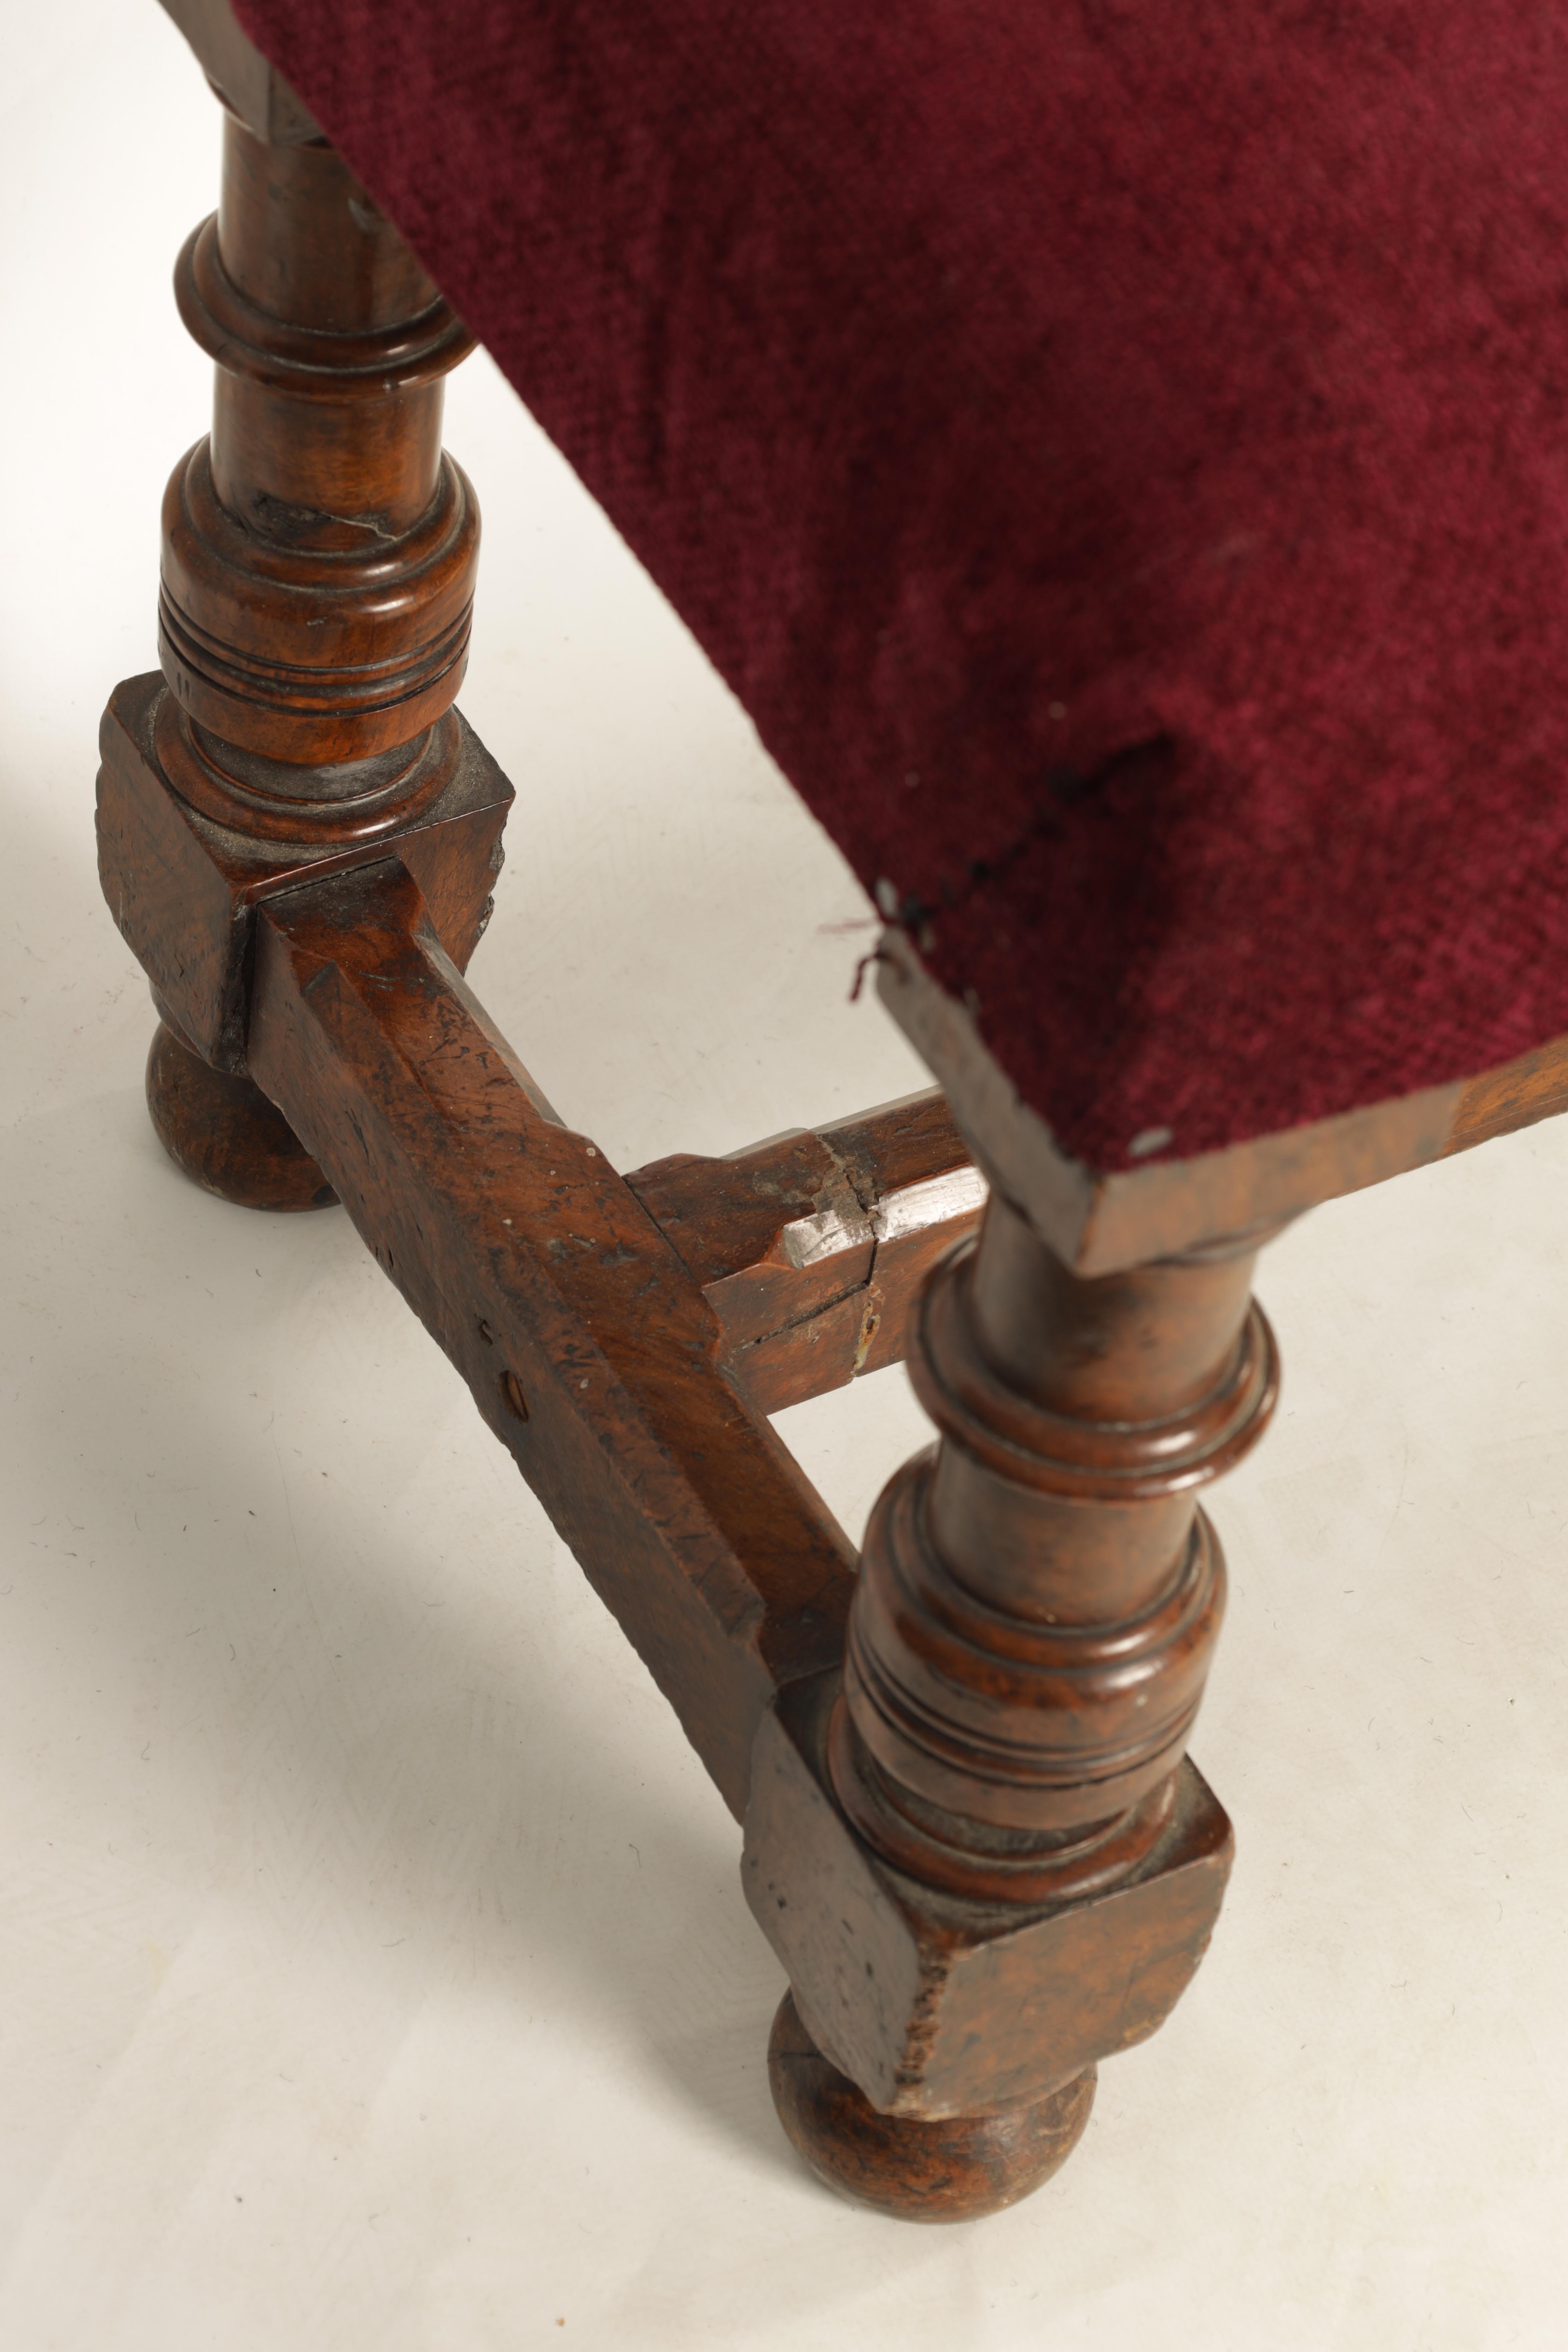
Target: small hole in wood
(487, 1334)
(512, 1388)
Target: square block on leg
(939, 2007)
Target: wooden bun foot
(951, 2171)
(226, 1135)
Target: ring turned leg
(983, 1857)
(319, 559)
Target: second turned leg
(983, 1860)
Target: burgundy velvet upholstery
(1114, 449)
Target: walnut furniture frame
(971, 1834)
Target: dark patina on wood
(542, 1276)
(972, 1833)
(226, 1135)
(810, 1248)
(949, 2171)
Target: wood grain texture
(937, 2005)
(955, 2170)
(191, 843)
(543, 1277)
(811, 1247)
(1533, 1088)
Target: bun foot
(954, 2170)
(226, 1135)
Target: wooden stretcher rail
(812, 1247)
(590, 1350)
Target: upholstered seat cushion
(1115, 449)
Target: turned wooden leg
(319, 558)
(983, 1859)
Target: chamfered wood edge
(1102, 1223)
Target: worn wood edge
(911, 2032)
(810, 1244)
(953, 2169)
(627, 1490)
(864, 1161)
(1519, 1093)
(1101, 1222)
(242, 77)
